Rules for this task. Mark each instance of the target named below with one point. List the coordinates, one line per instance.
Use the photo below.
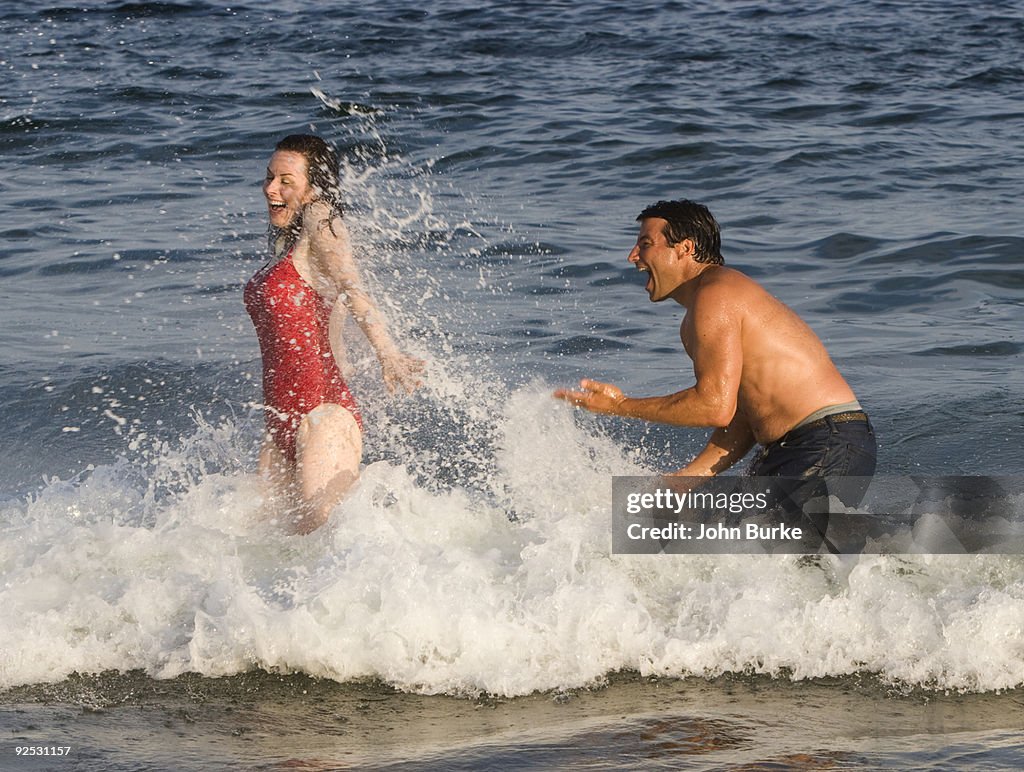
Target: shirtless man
(763, 376)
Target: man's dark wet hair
(689, 220)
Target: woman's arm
(330, 254)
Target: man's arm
(717, 351)
(726, 446)
(684, 408)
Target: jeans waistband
(850, 416)
(841, 407)
(853, 416)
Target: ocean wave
(435, 590)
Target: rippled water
(865, 163)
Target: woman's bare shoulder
(323, 226)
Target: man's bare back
(786, 373)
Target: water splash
(435, 589)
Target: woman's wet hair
(689, 220)
(322, 175)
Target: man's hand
(595, 396)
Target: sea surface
(462, 609)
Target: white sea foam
(435, 589)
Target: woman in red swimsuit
(298, 303)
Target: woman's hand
(402, 371)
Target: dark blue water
(865, 162)
(867, 169)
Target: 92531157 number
(42, 750)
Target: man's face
(653, 255)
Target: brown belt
(837, 418)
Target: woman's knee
(329, 430)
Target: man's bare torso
(786, 373)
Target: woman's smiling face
(286, 187)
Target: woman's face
(286, 187)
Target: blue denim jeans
(830, 449)
(813, 462)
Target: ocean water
(462, 608)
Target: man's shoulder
(729, 290)
(722, 279)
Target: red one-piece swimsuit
(299, 369)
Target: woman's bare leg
(278, 479)
(272, 465)
(329, 447)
